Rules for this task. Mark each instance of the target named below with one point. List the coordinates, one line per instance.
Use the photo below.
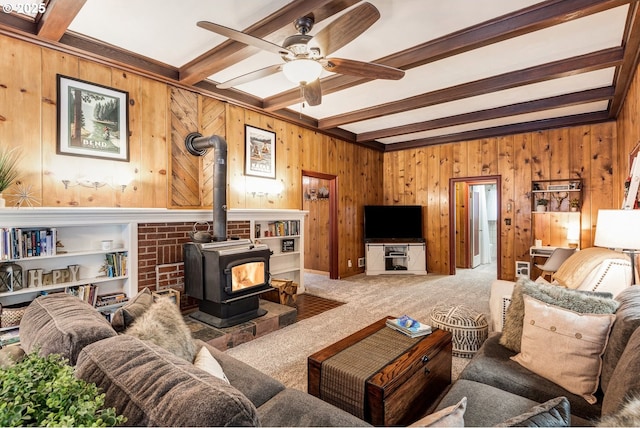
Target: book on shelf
(110, 299)
(18, 243)
(283, 228)
(9, 337)
(87, 293)
(409, 326)
(116, 264)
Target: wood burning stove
(228, 278)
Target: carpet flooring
(283, 353)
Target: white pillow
(452, 416)
(205, 361)
(563, 346)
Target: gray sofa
(154, 387)
(498, 388)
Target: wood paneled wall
(162, 174)
(421, 176)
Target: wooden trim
(579, 64)
(539, 16)
(484, 179)
(333, 219)
(566, 100)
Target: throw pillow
(127, 314)
(62, 324)
(205, 361)
(553, 413)
(452, 416)
(163, 325)
(624, 382)
(564, 346)
(574, 300)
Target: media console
(384, 258)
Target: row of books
(409, 326)
(110, 299)
(87, 293)
(9, 337)
(116, 264)
(284, 228)
(19, 243)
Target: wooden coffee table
(381, 375)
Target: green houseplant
(43, 391)
(574, 204)
(541, 204)
(8, 169)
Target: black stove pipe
(197, 145)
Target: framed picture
(92, 120)
(259, 152)
(288, 245)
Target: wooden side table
(398, 392)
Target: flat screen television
(392, 222)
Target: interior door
(474, 226)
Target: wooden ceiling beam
(533, 18)
(627, 70)
(58, 15)
(230, 51)
(566, 100)
(581, 64)
(499, 131)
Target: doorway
(319, 198)
(474, 221)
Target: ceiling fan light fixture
(302, 71)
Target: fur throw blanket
(628, 416)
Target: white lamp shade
(573, 232)
(302, 70)
(618, 229)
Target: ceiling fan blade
(254, 75)
(242, 37)
(362, 69)
(346, 28)
(313, 93)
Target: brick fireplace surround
(160, 253)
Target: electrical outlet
(349, 264)
(360, 261)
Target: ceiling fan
(305, 56)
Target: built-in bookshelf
(281, 231)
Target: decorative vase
(2, 201)
(541, 208)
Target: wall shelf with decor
(558, 224)
(84, 246)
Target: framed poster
(92, 120)
(259, 152)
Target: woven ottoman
(469, 328)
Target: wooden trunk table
(381, 375)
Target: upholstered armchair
(591, 269)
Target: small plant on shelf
(542, 204)
(574, 204)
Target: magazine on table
(409, 326)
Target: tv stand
(389, 258)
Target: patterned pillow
(574, 300)
(564, 346)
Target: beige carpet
(283, 354)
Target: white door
(474, 226)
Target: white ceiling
(166, 31)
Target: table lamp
(620, 230)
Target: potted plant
(541, 205)
(43, 391)
(574, 204)
(8, 170)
